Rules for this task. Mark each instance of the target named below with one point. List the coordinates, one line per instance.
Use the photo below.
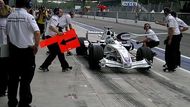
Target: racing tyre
(96, 53)
(82, 50)
(144, 53)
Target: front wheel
(144, 53)
(95, 55)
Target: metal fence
(138, 16)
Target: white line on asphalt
(181, 55)
(178, 68)
(89, 26)
(164, 50)
(116, 78)
(160, 75)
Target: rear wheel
(82, 50)
(95, 55)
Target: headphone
(173, 13)
(56, 11)
(167, 10)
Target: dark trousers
(152, 43)
(54, 51)
(42, 28)
(22, 66)
(179, 52)
(172, 52)
(4, 68)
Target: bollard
(117, 17)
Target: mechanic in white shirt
(151, 40)
(66, 22)
(172, 42)
(183, 27)
(5, 10)
(24, 36)
(54, 49)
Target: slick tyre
(144, 53)
(95, 55)
(82, 50)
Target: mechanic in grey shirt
(51, 31)
(65, 21)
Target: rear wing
(93, 32)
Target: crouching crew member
(151, 40)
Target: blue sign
(126, 3)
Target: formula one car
(112, 50)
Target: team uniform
(20, 28)
(172, 49)
(54, 48)
(64, 21)
(153, 39)
(181, 24)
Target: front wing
(114, 64)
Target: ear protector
(167, 10)
(56, 11)
(173, 13)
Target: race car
(112, 50)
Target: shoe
(43, 69)
(165, 65)
(69, 53)
(24, 105)
(70, 67)
(67, 69)
(168, 70)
